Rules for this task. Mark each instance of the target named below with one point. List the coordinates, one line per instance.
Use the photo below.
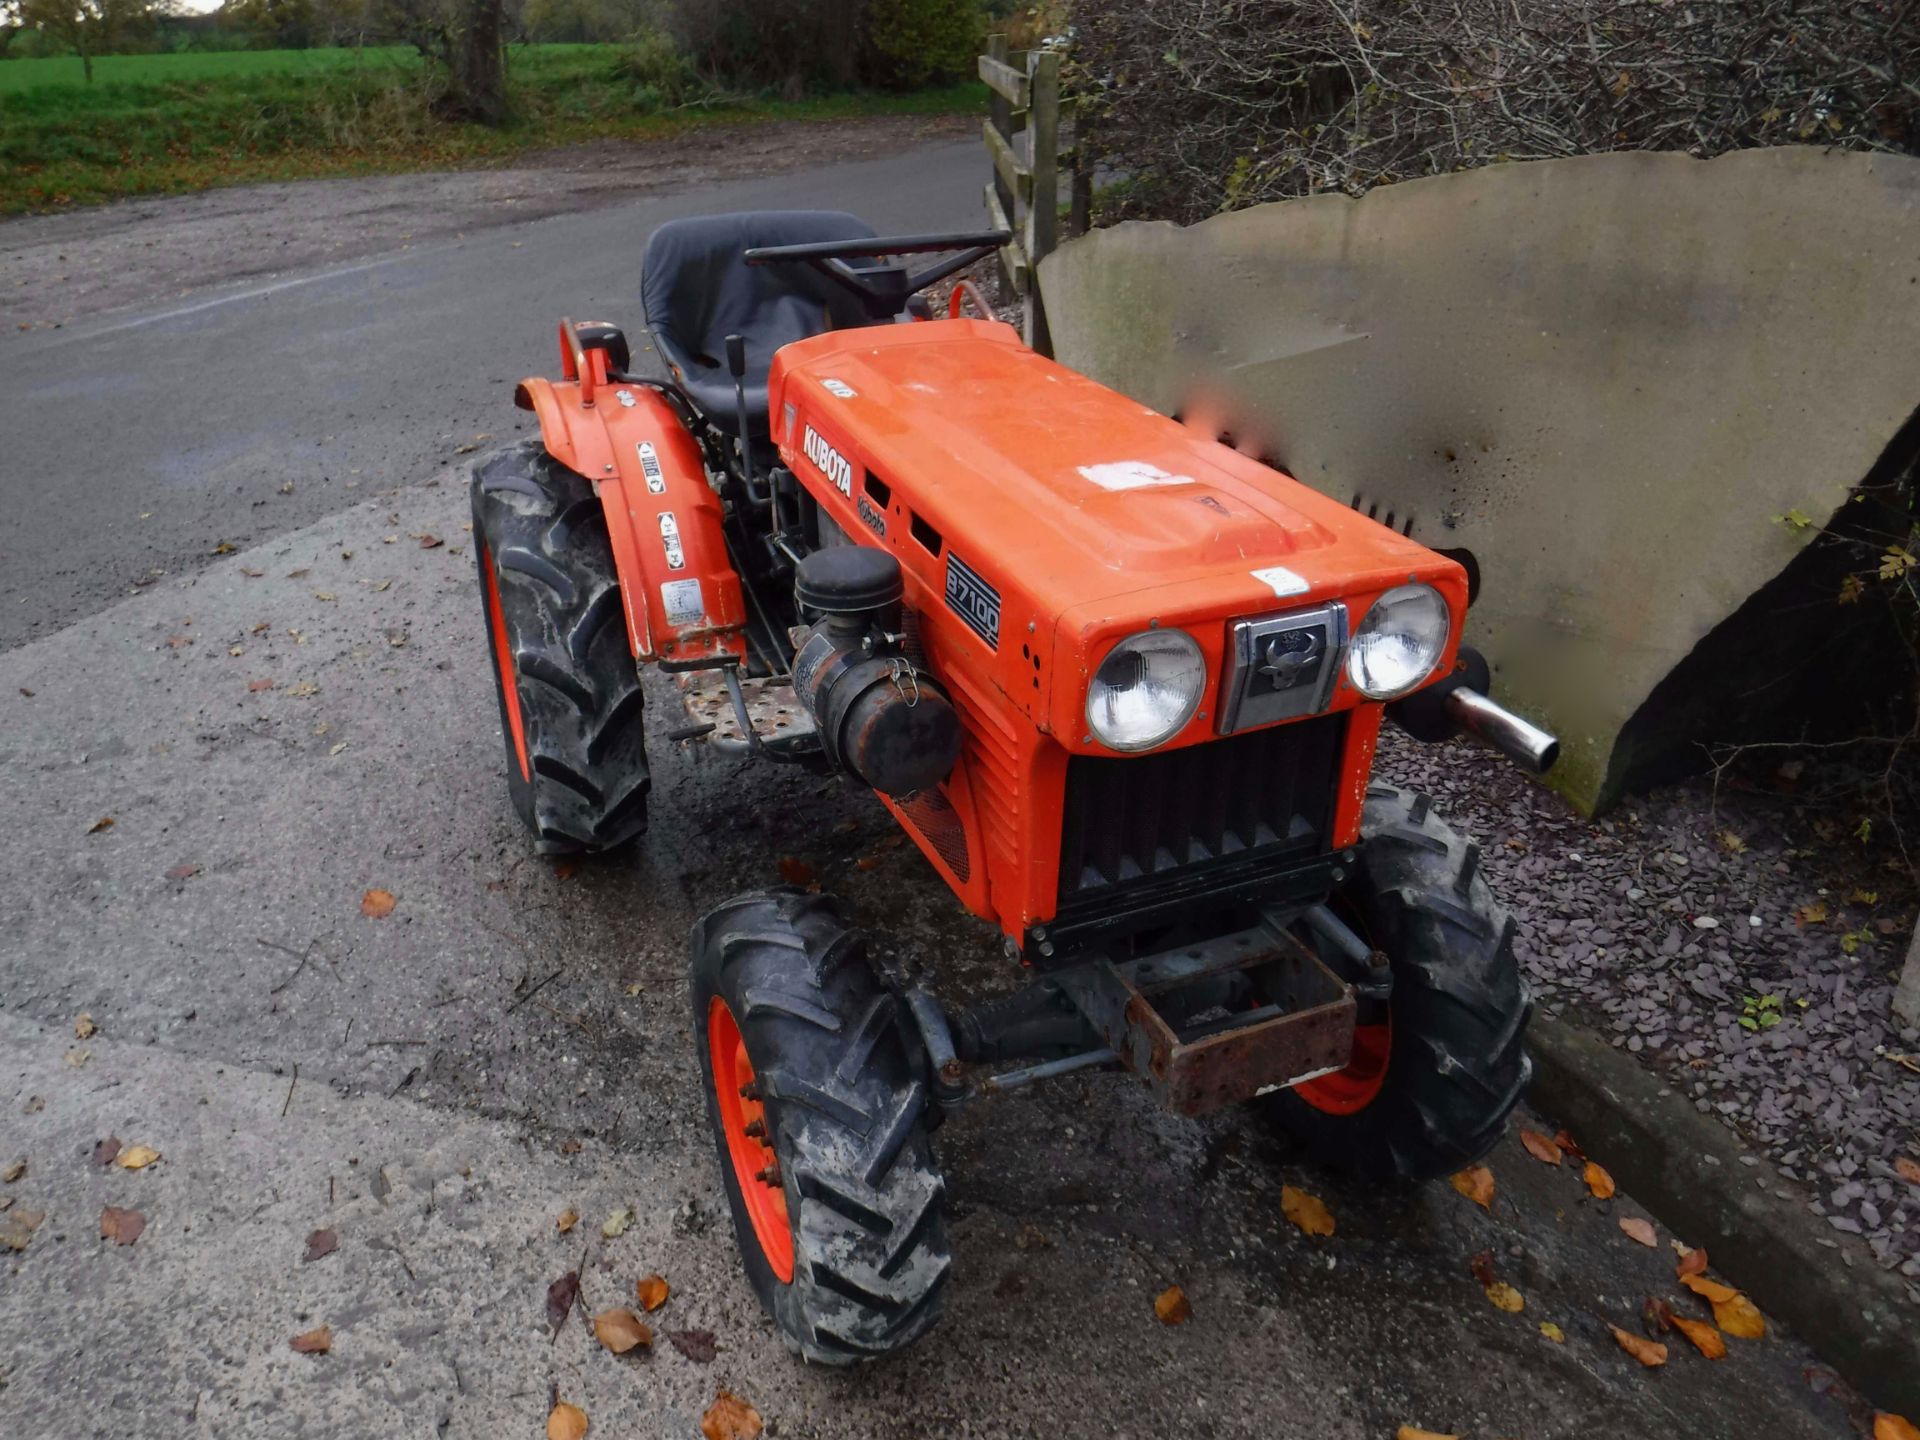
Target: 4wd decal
(973, 600)
(830, 462)
(650, 467)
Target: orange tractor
(1119, 683)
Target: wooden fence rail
(1023, 136)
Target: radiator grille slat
(1136, 818)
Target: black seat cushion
(697, 291)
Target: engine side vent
(933, 815)
(1266, 793)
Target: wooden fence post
(1000, 116)
(1024, 195)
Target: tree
(87, 27)
(461, 41)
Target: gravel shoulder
(55, 269)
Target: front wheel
(816, 1089)
(1438, 1067)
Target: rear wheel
(1438, 1067)
(817, 1093)
(569, 692)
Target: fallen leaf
(795, 871)
(313, 1342)
(83, 1027)
(653, 1292)
(1692, 1262)
(1567, 1143)
(1705, 1338)
(1170, 1306)
(1541, 1148)
(123, 1227)
(730, 1418)
(77, 1057)
(1710, 1290)
(304, 688)
(1482, 1267)
(377, 904)
(1893, 1427)
(1658, 1314)
(696, 1345)
(251, 573)
(568, 1219)
(225, 547)
(1740, 1318)
(137, 1157)
(1598, 1181)
(1907, 1169)
(615, 1225)
(1505, 1297)
(1813, 914)
(566, 1422)
(17, 1226)
(14, 1171)
(560, 1297)
(259, 687)
(1637, 1229)
(565, 868)
(183, 872)
(1553, 1332)
(104, 1152)
(1476, 1183)
(320, 1244)
(1648, 1352)
(621, 1330)
(105, 822)
(1308, 1212)
(429, 542)
(1414, 1432)
(325, 595)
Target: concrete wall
(1603, 376)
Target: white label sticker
(1131, 475)
(683, 602)
(1281, 581)
(839, 387)
(625, 397)
(670, 538)
(650, 467)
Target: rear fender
(681, 594)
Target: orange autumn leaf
(730, 1418)
(1170, 1306)
(620, 1330)
(1691, 1263)
(1705, 1338)
(1893, 1427)
(1710, 1290)
(1740, 1318)
(1541, 1148)
(1505, 1297)
(795, 871)
(1566, 1142)
(1648, 1352)
(1598, 1181)
(1476, 1183)
(1308, 1212)
(566, 1422)
(377, 904)
(568, 1219)
(1414, 1432)
(1637, 1229)
(313, 1342)
(1907, 1169)
(653, 1292)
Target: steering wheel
(883, 289)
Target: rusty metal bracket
(1304, 1029)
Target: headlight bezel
(1194, 698)
(1354, 663)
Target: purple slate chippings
(1608, 932)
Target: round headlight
(1146, 689)
(1399, 643)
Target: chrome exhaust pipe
(1520, 740)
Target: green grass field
(155, 124)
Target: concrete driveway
(274, 731)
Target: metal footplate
(1304, 1028)
(775, 711)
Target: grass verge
(163, 130)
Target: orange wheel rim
(1349, 1091)
(503, 658)
(743, 1120)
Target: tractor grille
(1266, 794)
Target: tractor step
(778, 717)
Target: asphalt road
(136, 443)
(274, 731)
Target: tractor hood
(1077, 495)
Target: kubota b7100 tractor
(1120, 684)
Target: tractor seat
(697, 291)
